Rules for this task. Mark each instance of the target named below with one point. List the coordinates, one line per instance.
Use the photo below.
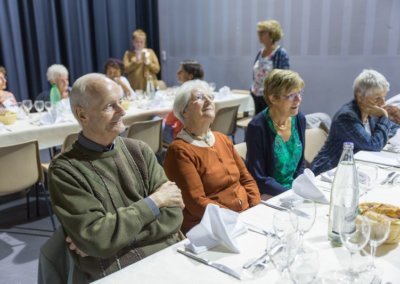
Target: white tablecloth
(53, 135)
(168, 266)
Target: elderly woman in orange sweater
(204, 164)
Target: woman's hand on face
(374, 110)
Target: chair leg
(48, 206)
(37, 200)
(28, 207)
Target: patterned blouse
(287, 154)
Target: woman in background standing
(141, 63)
(271, 56)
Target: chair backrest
(241, 148)
(68, 141)
(149, 131)
(225, 120)
(20, 167)
(315, 139)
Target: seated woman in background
(275, 136)
(188, 70)
(363, 121)
(141, 63)
(56, 74)
(204, 164)
(114, 68)
(7, 99)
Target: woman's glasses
(293, 96)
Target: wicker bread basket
(8, 117)
(379, 211)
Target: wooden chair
(148, 131)
(225, 121)
(315, 139)
(20, 171)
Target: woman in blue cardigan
(275, 136)
(365, 121)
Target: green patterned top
(287, 154)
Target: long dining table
(169, 266)
(52, 135)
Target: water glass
(354, 237)
(303, 214)
(367, 177)
(379, 233)
(27, 104)
(304, 268)
(48, 106)
(284, 224)
(39, 106)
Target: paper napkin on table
(218, 226)
(328, 176)
(304, 185)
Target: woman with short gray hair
(204, 164)
(363, 121)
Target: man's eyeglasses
(293, 96)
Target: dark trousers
(259, 103)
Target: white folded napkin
(395, 140)
(218, 226)
(328, 176)
(304, 185)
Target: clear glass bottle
(150, 89)
(55, 95)
(344, 194)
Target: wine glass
(354, 234)
(379, 233)
(304, 268)
(303, 214)
(27, 104)
(284, 255)
(367, 177)
(39, 106)
(284, 224)
(48, 106)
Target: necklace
(206, 138)
(280, 127)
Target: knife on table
(295, 211)
(221, 267)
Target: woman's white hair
(55, 71)
(184, 94)
(370, 79)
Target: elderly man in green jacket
(112, 198)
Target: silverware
(258, 230)
(286, 207)
(221, 267)
(388, 178)
(273, 251)
(393, 178)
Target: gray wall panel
(329, 42)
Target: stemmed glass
(367, 177)
(305, 266)
(354, 235)
(48, 106)
(39, 106)
(27, 104)
(302, 214)
(379, 233)
(284, 224)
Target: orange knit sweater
(214, 174)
